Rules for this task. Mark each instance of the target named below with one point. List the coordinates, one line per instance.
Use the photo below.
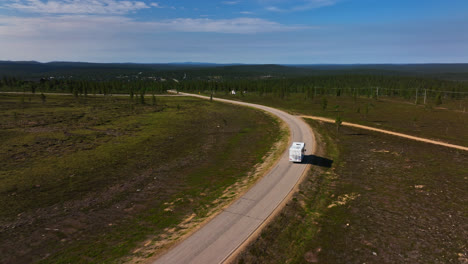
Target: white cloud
(300, 5)
(100, 37)
(78, 6)
(119, 38)
(231, 2)
(246, 13)
(76, 25)
(274, 9)
(310, 4)
(157, 5)
(235, 26)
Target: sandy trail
(436, 142)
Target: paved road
(220, 238)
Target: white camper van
(296, 151)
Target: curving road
(223, 235)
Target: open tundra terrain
(94, 179)
(164, 132)
(115, 170)
(382, 199)
(447, 121)
(373, 198)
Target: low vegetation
(447, 121)
(384, 199)
(92, 178)
(422, 104)
(103, 178)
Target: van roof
(297, 145)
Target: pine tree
(338, 123)
(324, 103)
(438, 99)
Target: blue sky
(235, 31)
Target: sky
(235, 31)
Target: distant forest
(407, 81)
(110, 71)
(335, 85)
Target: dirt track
(328, 120)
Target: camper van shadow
(318, 161)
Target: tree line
(411, 88)
(335, 85)
(85, 87)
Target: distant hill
(33, 68)
(193, 70)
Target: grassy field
(90, 179)
(447, 122)
(383, 200)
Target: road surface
(224, 234)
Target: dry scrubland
(86, 173)
(91, 179)
(384, 199)
(447, 122)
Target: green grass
(384, 200)
(89, 179)
(447, 122)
